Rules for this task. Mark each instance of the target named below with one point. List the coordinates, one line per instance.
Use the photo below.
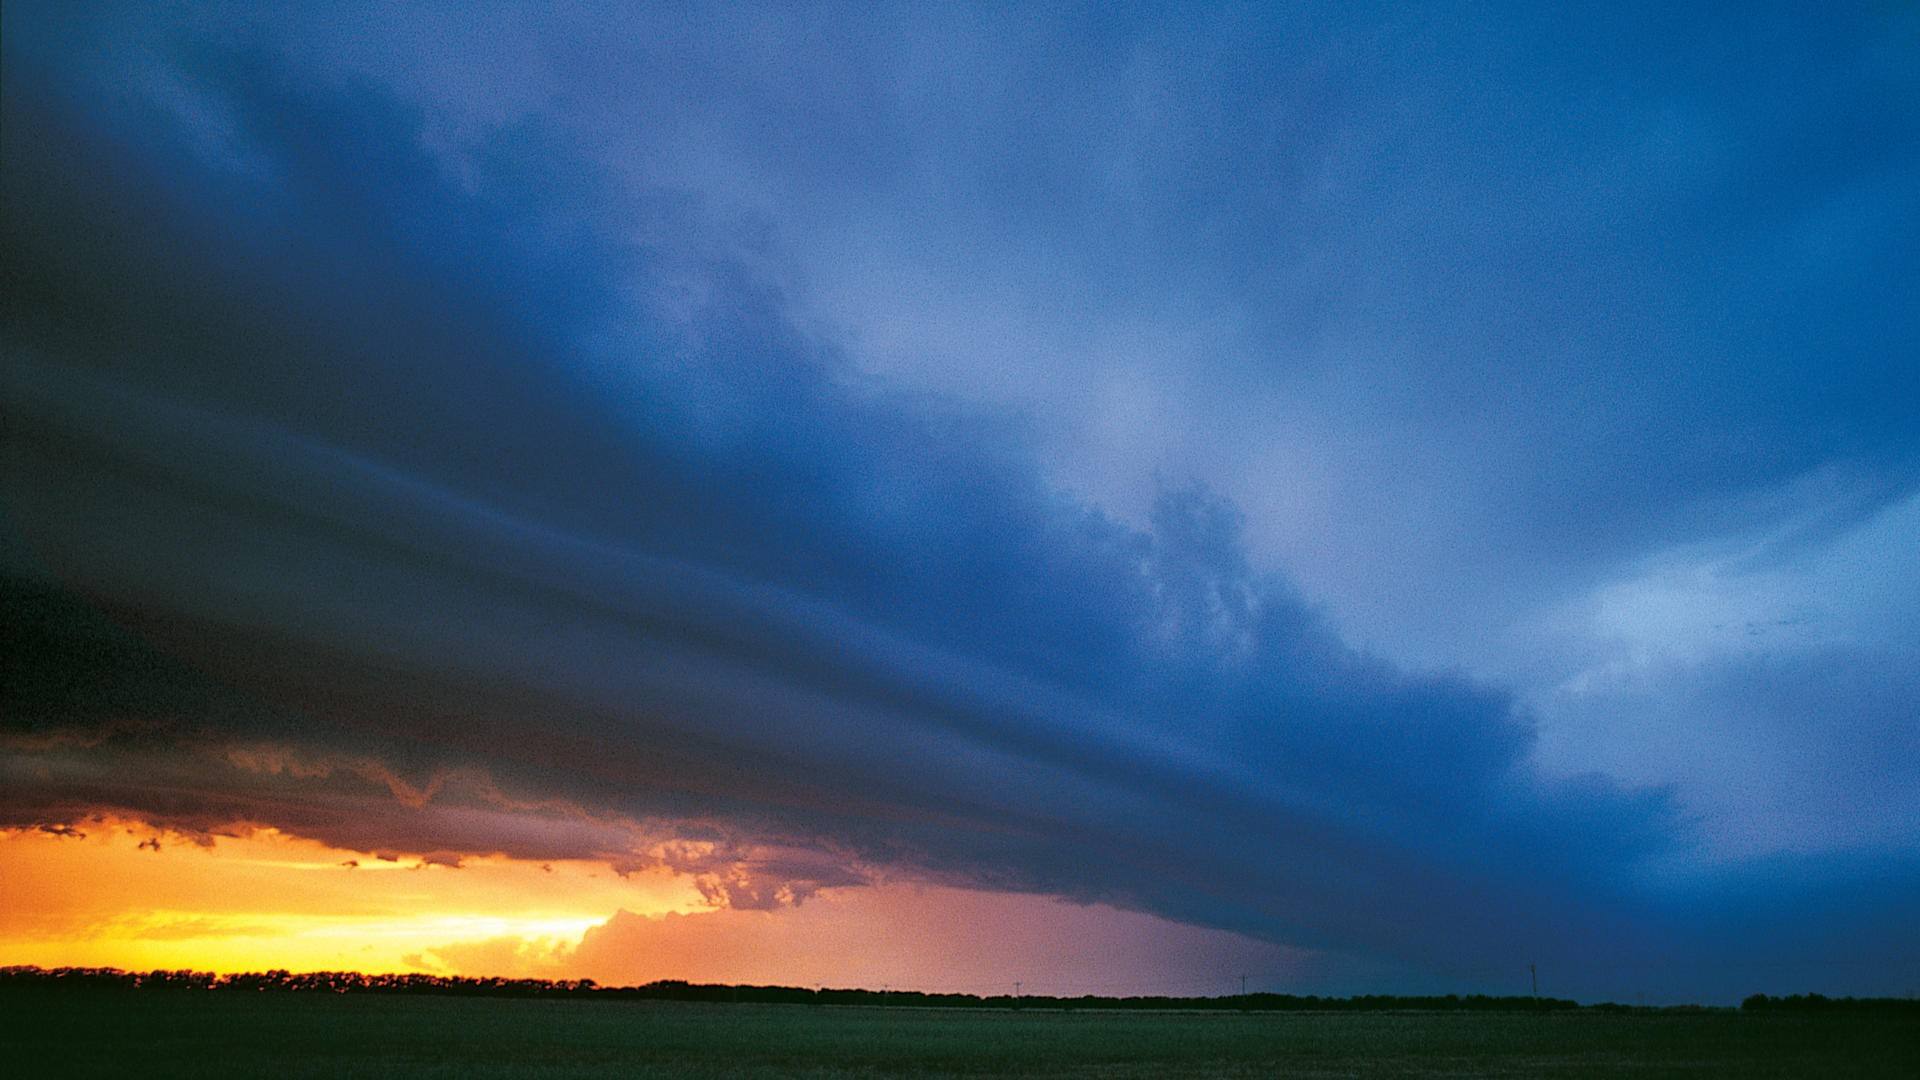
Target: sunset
(1232, 507)
(266, 900)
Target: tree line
(352, 982)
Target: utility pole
(1243, 986)
(1534, 974)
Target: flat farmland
(370, 1035)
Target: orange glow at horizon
(268, 900)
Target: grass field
(314, 1035)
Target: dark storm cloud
(526, 475)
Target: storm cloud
(502, 501)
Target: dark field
(312, 1035)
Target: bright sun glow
(268, 900)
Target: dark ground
(369, 1035)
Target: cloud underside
(513, 513)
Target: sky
(1111, 497)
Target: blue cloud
(524, 468)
